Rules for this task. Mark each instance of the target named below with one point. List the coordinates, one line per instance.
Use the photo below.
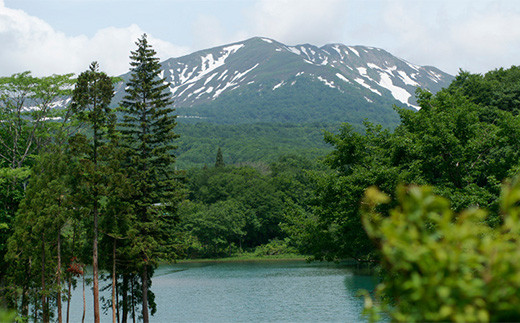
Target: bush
(275, 247)
(442, 266)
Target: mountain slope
(262, 80)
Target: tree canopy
(458, 142)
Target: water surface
(251, 291)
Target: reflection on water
(252, 291)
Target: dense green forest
(243, 143)
(461, 142)
(124, 189)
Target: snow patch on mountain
(362, 83)
(327, 82)
(209, 78)
(398, 93)
(406, 79)
(354, 51)
(278, 85)
(240, 75)
(294, 50)
(362, 71)
(340, 76)
(221, 77)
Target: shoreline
(244, 258)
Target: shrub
(442, 266)
(275, 247)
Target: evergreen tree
(91, 99)
(148, 129)
(36, 246)
(219, 162)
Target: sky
(64, 36)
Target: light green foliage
(28, 118)
(498, 88)
(276, 247)
(7, 316)
(444, 266)
(29, 124)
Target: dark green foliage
(38, 227)
(498, 88)
(463, 148)
(90, 102)
(219, 161)
(230, 209)
(218, 227)
(259, 142)
(148, 130)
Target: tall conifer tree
(148, 129)
(219, 161)
(90, 100)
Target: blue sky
(61, 36)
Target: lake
(250, 291)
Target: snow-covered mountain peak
(260, 63)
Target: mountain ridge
(261, 70)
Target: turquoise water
(251, 291)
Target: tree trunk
(95, 264)
(133, 299)
(114, 320)
(45, 312)
(117, 302)
(124, 293)
(26, 288)
(68, 297)
(84, 302)
(25, 307)
(70, 275)
(59, 277)
(144, 280)
(95, 242)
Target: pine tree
(148, 129)
(219, 162)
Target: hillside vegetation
(81, 186)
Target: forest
(88, 187)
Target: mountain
(262, 80)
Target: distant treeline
(257, 142)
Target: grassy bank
(248, 257)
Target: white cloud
(298, 21)
(29, 43)
(207, 31)
(478, 37)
